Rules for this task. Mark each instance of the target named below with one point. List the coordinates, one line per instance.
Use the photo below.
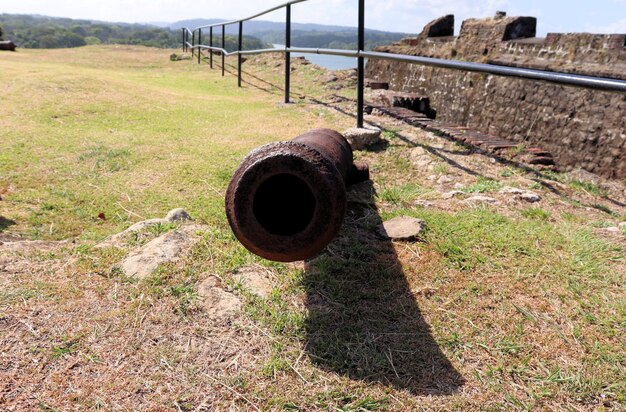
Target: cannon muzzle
(287, 200)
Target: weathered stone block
(441, 27)
(362, 138)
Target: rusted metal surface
(287, 200)
(7, 45)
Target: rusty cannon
(7, 45)
(287, 200)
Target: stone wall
(581, 128)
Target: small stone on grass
(217, 302)
(450, 195)
(402, 228)
(178, 215)
(520, 194)
(362, 138)
(529, 197)
(481, 199)
(166, 248)
(254, 279)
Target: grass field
(509, 307)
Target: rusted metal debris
(287, 200)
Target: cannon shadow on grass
(363, 320)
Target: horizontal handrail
(578, 80)
(226, 23)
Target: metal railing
(590, 82)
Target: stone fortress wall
(581, 128)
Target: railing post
(183, 33)
(239, 55)
(199, 43)
(287, 54)
(211, 45)
(223, 48)
(361, 66)
(193, 43)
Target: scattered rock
(584, 176)
(211, 281)
(481, 199)
(613, 229)
(166, 248)
(361, 138)
(421, 159)
(423, 203)
(525, 195)
(529, 197)
(458, 185)
(402, 228)
(508, 190)
(450, 195)
(418, 151)
(217, 302)
(118, 240)
(178, 57)
(331, 78)
(303, 61)
(254, 279)
(622, 225)
(178, 215)
(444, 180)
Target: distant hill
(303, 34)
(42, 32)
(255, 26)
(34, 31)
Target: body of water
(326, 61)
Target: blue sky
(600, 16)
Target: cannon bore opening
(284, 205)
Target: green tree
(0, 33)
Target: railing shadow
(364, 321)
(538, 176)
(5, 223)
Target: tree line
(38, 32)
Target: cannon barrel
(7, 45)
(287, 200)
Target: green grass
(402, 194)
(588, 188)
(492, 309)
(483, 185)
(536, 213)
(126, 135)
